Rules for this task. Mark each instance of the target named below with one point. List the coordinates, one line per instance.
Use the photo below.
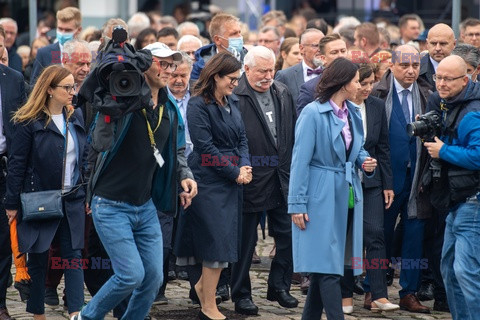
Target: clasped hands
(245, 175)
(369, 164)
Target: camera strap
(156, 153)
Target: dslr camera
(426, 127)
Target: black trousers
(433, 243)
(5, 246)
(323, 293)
(281, 269)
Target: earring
(51, 96)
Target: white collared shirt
(399, 89)
(305, 68)
(434, 63)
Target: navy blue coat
(13, 97)
(307, 93)
(46, 56)
(35, 163)
(210, 228)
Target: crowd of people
(300, 123)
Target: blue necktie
(405, 108)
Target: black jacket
(427, 71)
(270, 160)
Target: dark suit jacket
(307, 93)
(293, 78)
(14, 60)
(427, 71)
(46, 56)
(377, 144)
(13, 97)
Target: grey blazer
(293, 78)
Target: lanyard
(149, 128)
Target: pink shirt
(342, 114)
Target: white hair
(346, 21)
(258, 52)
(187, 24)
(137, 22)
(188, 38)
(9, 20)
(71, 46)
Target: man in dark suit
(12, 91)
(11, 30)
(309, 68)
(330, 47)
(405, 96)
(69, 26)
(440, 43)
(268, 113)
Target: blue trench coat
(319, 185)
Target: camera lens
(124, 83)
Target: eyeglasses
(68, 87)
(446, 79)
(267, 41)
(311, 45)
(233, 80)
(166, 65)
(471, 35)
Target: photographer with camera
(137, 142)
(457, 187)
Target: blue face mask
(63, 37)
(235, 44)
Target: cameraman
(458, 149)
(135, 174)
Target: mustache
(259, 83)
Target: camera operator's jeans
(132, 238)
(461, 261)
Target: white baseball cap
(161, 50)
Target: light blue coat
(319, 185)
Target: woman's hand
(369, 164)
(245, 175)
(299, 220)
(388, 194)
(11, 214)
(88, 210)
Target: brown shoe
(4, 314)
(305, 284)
(272, 253)
(411, 303)
(255, 258)
(296, 278)
(367, 304)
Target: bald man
(440, 43)
(458, 151)
(405, 96)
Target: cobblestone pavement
(180, 307)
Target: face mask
(235, 44)
(63, 37)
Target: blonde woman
(45, 126)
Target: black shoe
(51, 297)
(246, 306)
(390, 274)
(441, 305)
(203, 316)
(160, 299)
(223, 292)
(182, 275)
(23, 288)
(195, 300)
(425, 293)
(357, 288)
(283, 297)
(171, 275)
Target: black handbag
(45, 205)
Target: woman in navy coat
(210, 228)
(327, 153)
(35, 164)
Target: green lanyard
(149, 128)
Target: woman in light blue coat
(328, 151)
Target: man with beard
(309, 68)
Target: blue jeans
(132, 238)
(460, 263)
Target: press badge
(158, 157)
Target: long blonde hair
(36, 104)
